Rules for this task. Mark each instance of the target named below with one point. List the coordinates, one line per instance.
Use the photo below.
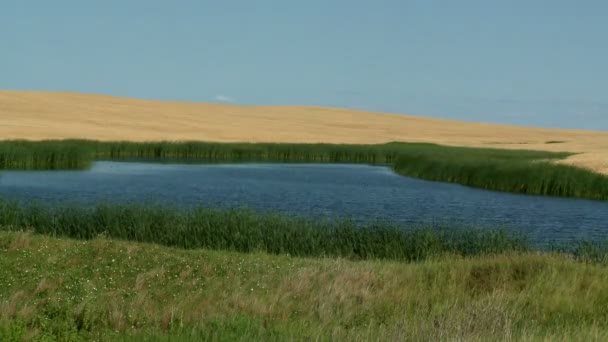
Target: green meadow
(102, 289)
(139, 272)
(518, 171)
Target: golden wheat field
(49, 115)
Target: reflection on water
(364, 193)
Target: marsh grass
(101, 289)
(246, 231)
(68, 154)
(514, 175)
(43, 155)
(244, 152)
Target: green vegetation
(45, 155)
(242, 230)
(503, 173)
(242, 152)
(246, 231)
(201, 152)
(247, 152)
(555, 142)
(298, 279)
(100, 289)
(520, 171)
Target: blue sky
(534, 62)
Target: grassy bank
(518, 171)
(111, 290)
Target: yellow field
(45, 115)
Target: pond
(361, 192)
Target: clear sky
(529, 62)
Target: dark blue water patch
(363, 193)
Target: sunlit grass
(110, 290)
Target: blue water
(364, 193)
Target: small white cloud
(224, 98)
(521, 114)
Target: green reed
(43, 155)
(246, 231)
(66, 153)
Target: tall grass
(243, 152)
(508, 175)
(44, 155)
(107, 290)
(89, 150)
(246, 231)
(519, 171)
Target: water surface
(364, 193)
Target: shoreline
(516, 171)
